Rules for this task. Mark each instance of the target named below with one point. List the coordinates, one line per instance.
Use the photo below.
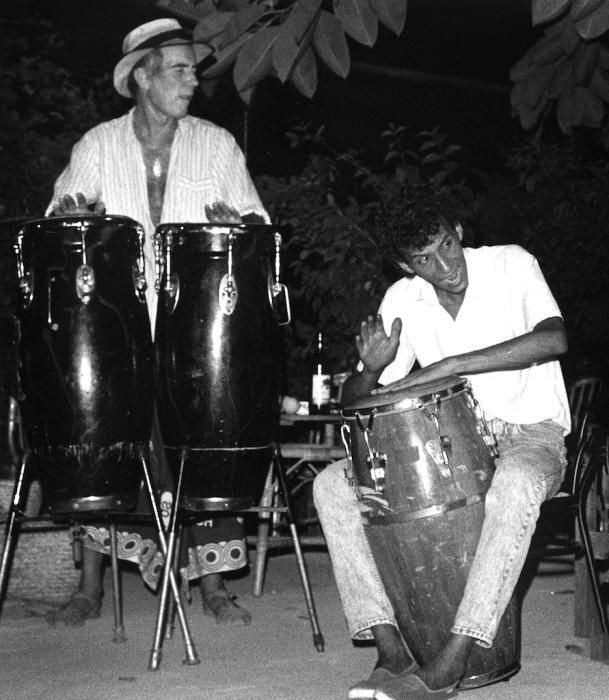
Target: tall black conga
(422, 465)
(85, 353)
(217, 359)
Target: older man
(158, 164)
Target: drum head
(214, 238)
(408, 398)
(55, 224)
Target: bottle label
(320, 389)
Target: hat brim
(123, 68)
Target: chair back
(582, 393)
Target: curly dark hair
(409, 218)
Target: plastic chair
(591, 464)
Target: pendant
(157, 170)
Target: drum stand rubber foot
(119, 635)
(191, 658)
(319, 642)
(155, 659)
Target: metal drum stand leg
(318, 639)
(168, 545)
(12, 525)
(119, 627)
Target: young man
(486, 314)
(157, 164)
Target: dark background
(449, 67)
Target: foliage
(561, 197)
(566, 70)
(335, 271)
(43, 111)
(284, 38)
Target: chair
(582, 393)
(590, 466)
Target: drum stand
(172, 538)
(16, 515)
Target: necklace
(157, 170)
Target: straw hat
(147, 37)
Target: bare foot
(393, 654)
(394, 660)
(74, 613)
(449, 666)
(217, 601)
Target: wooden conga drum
(217, 359)
(85, 353)
(422, 467)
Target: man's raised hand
(377, 349)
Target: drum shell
(425, 540)
(416, 477)
(217, 373)
(85, 364)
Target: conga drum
(85, 353)
(217, 359)
(422, 464)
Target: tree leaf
(521, 69)
(569, 39)
(583, 8)
(529, 117)
(603, 57)
(247, 94)
(241, 22)
(599, 85)
(294, 37)
(585, 61)
(391, 13)
(595, 23)
(304, 75)
(566, 110)
(254, 61)
(225, 58)
(331, 44)
(561, 80)
(547, 10)
(358, 19)
(535, 85)
(547, 50)
(593, 110)
(211, 26)
(182, 9)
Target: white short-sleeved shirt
(205, 165)
(506, 296)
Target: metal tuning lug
(172, 281)
(139, 269)
(281, 297)
(25, 278)
(85, 283)
(376, 461)
(345, 435)
(158, 261)
(228, 294)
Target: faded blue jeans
(529, 470)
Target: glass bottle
(320, 380)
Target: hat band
(158, 39)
